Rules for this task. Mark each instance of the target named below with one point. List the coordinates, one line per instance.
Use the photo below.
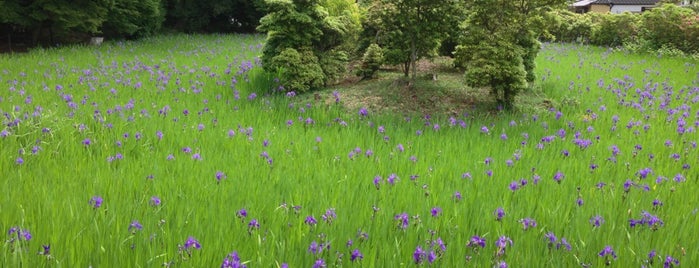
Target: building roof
(615, 2)
(583, 3)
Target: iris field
(171, 152)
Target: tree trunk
(9, 37)
(413, 59)
(406, 68)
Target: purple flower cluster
(232, 261)
(647, 219)
(527, 223)
(553, 242)
(403, 220)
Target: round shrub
(371, 62)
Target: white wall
(630, 8)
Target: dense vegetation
(199, 151)
(164, 152)
(668, 29)
(311, 42)
(66, 21)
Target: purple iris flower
(96, 201)
(320, 263)
(310, 220)
(403, 220)
(253, 224)
(596, 221)
(551, 238)
(232, 261)
(528, 223)
(435, 211)
(356, 255)
(499, 214)
(419, 255)
(135, 226)
(242, 213)
(192, 243)
(607, 251)
(155, 201)
(558, 177)
(476, 241)
(363, 112)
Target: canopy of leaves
(311, 29)
(410, 29)
(371, 62)
(499, 44)
(214, 15)
(302, 70)
(134, 18)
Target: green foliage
(316, 167)
(334, 65)
(308, 27)
(615, 29)
(214, 15)
(82, 16)
(570, 27)
(672, 26)
(300, 70)
(409, 30)
(134, 18)
(531, 47)
(496, 63)
(64, 19)
(371, 62)
(11, 12)
(499, 45)
(344, 20)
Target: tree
(499, 45)
(409, 30)
(371, 62)
(214, 15)
(489, 53)
(307, 29)
(134, 18)
(60, 17)
(671, 26)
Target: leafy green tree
(317, 36)
(566, 26)
(409, 30)
(213, 15)
(615, 29)
(134, 18)
(302, 70)
(58, 17)
(667, 27)
(371, 62)
(489, 51)
(500, 44)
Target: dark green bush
(666, 26)
(371, 62)
(615, 29)
(134, 18)
(317, 30)
(300, 70)
(334, 65)
(570, 27)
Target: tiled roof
(616, 2)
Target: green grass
(274, 153)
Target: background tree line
(51, 22)
(669, 28)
